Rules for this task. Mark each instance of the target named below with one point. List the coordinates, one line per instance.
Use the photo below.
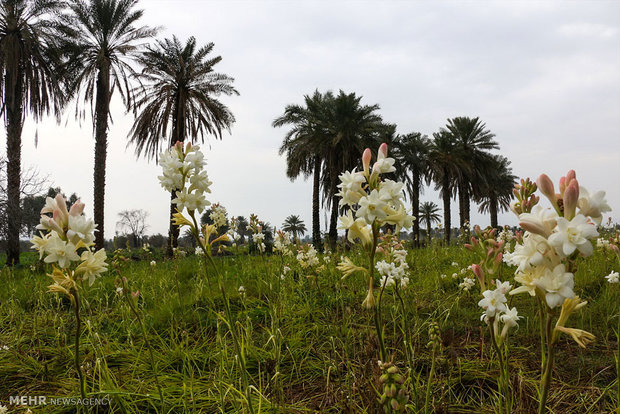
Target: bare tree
(32, 190)
(133, 223)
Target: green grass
(309, 347)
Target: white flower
(530, 253)
(527, 278)
(392, 192)
(573, 235)
(195, 158)
(503, 287)
(558, 285)
(153, 263)
(60, 251)
(81, 229)
(510, 317)
(39, 243)
(592, 205)
(383, 165)
(350, 187)
(613, 277)
(493, 301)
(541, 220)
(200, 183)
(93, 264)
(3, 409)
(190, 201)
(455, 264)
(371, 207)
(119, 290)
(241, 290)
(455, 276)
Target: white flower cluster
(394, 272)
(307, 258)
(467, 284)
(259, 238)
(372, 201)
(282, 244)
(613, 277)
(218, 215)
(69, 237)
(183, 173)
(554, 236)
(495, 308)
(233, 230)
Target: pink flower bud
(570, 176)
(383, 151)
(479, 273)
(545, 185)
(571, 195)
(562, 186)
(366, 160)
(468, 246)
(77, 208)
(498, 259)
(533, 228)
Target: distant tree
(429, 214)
(133, 223)
(473, 141)
(496, 192)
(243, 228)
(32, 185)
(294, 225)
(411, 151)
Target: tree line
(328, 132)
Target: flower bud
(383, 151)
(479, 274)
(571, 195)
(545, 185)
(77, 208)
(366, 156)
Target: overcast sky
(543, 76)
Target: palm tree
(304, 148)
(101, 40)
(412, 150)
(31, 83)
(496, 193)
(294, 225)
(474, 142)
(178, 101)
(429, 214)
(350, 127)
(446, 166)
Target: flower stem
(371, 281)
(546, 380)
(503, 384)
(78, 332)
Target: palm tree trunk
(316, 224)
(493, 211)
(428, 232)
(445, 191)
(462, 214)
(333, 223)
(14, 115)
(102, 111)
(173, 230)
(415, 209)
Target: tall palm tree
(412, 150)
(305, 149)
(294, 225)
(102, 39)
(178, 100)
(429, 214)
(474, 142)
(31, 84)
(496, 192)
(446, 167)
(350, 127)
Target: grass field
(309, 345)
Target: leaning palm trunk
(316, 224)
(102, 111)
(14, 113)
